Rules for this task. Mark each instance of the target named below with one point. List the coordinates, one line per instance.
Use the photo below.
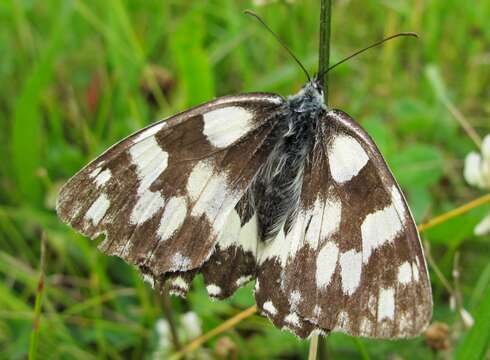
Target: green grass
(56, 55)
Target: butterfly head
(309, 98)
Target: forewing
(162, 196)
(354, 261)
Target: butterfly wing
(352, 261)
(233, 260)
(162, 196)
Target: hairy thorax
(276, 190)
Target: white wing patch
(146, 206)
(248, 235)
(172, 218)
(386, 304)
(231, 231)
(292, 319)
(101, 178)
(326, 262)
(95, 172)
(346, 158)
(405, 273)
(150, 161)
(213, 195)
(270, 308)
(331, 217)
(274, 248)
(213, 290)
(379, 228)
(224, 126)
(325, 221)
(180, 283)
(198, 178)
(236, 235)
(243, 280)
(350, 270)
(98, 209)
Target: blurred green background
(76, 76)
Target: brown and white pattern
(163, 195)
(256, 187)
(233, 262)
(370, 277)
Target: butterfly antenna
(259, 19)
(367, 48)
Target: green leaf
(435, 79)
(26, 135)
(413, 117)
(458, 229)
(419, 199)
(476, 343)
(418, 166)
(381, 134)
(194, 65)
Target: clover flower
(477, 173)
(190, 328)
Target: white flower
(483, 227)
(468, 320)
(162, 328)
(189, 328)
(192, 324)
(477, 166)
(477, 173)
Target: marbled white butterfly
(283, 191)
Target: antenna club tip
(408, 33)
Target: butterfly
(283, 191)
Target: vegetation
(78, 75)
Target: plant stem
(167, 308)
(228, 324)
(455, 212)
(312, 354)
(324, 46)
(34, 339)
(323, 63)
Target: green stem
(324, 46)
(323, 63)
(312, 354)
(167, 308)
(38, 304)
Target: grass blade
(26, 133)
(476, 343)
